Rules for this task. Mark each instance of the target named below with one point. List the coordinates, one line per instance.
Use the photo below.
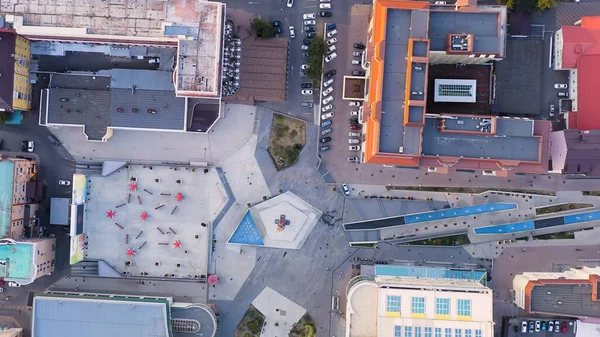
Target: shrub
(255, 325)
(265, 197)
(279, 119)
(293, 134)
(249, 204)
(262, 28)
(316, 50)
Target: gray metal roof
(59, 211)
(484, 27)
(169, 109)
(88, 81)
(523, 147)
(575, 300)
(142, 79)
(64, 316)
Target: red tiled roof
(578, 41)
(588, 82)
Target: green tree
(316, 50)
(262, 28)
(4, 117)
(542, 5)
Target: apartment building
(15, 60)
(18, 220)
(27, 260)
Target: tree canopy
(316, 51)
(262, 28)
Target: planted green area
(288, 137)
(555, 236)
(304, 328)
(251, 324)
(560, 208)
(454, 240)
(316, 51)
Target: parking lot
(539, 327)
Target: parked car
(331, 49)
(1, 144)
(353, 134)
(538, 326)
(330, 73)
(345, 189)
(53, 140)
(358, 73)
(353, 113)
(310, 29)
(309, 16)
(306, 85)
(325, 140)
(353, 141)
(306, 41)
(556, 325)
(310, 22)
(352, 159)
(325, 6)
(30, 146)
(24, 146)
(355, 62)
(359, 46)
(544, 325)
(307, 104)
(356, 53)
(276, 23)
(353, 121)
(14, 284)
(324, 0)
(307, 92)
(531, 326)
(551, 114)
(310, 35)
(292, 32)
(331, 26)
(327, 115)
(325, 14)
(550, 326)
(290, 3)
(524, 326)
(560, 86)
(328, 82)
(64, 99)
(562, 94)
(304, 66)
(563, 327)
(354, 147)
(330, 57)
(332, 33)
(331, 41)
(303, 74)
(304, 47)
(326, 123)
(277, 30)
(324, 148)
(325, 131)
(355, 103)
(355, 126)
(305, 55)
(64, 182)
(327, 91)
(327, 100)
(327, 108)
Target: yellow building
(15, 60)
(400, 301)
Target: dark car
(307, 104)
(325, 14)
(276, 23)
(310, 29)
(305, 55)
(325, 140)
(310, 35)
(353, 121)
(355, 126)
(324, 148)
(277, 30)
(53, 140)
(24, 146)
(306, 41)
(1, 144)
(359, 46)
(307, 85)
(330, 73)
(358, 73)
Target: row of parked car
(326, 106)
(543, 326)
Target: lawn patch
(251, 324)
(288, 137)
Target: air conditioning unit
(401, 149)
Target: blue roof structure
(582, 217)
(247, 232)
(507, 228)
(457, 212)
(432, 273)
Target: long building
(398, 128)
(15, 59)
(418, 301)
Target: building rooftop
(484, 26)
(8, 40)
(575, 152)
(7, 175)
(19, 260)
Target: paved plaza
(156, 217)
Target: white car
(331, 49)
(356, 62)
(353, 134)
(354, 103)
(353, 113)
(328, 82)
(356, 53)
(307, 92)
(309, 16)
(560, 86)
(345, 189)
(330, 57)
(325, 6)
(325, 0)
(304, 47)
(327, 91)
(327, 115)
(327, 108)
(292, 32)
(304, 66)
(332, 33)
(290, 3)
(309, 22)
(64, 182)
(13, 284)
(354, 147)
(30, 146)
(327, 100)
(353, 141)
(332, 41)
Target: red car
(355, 127)
(563, 327)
